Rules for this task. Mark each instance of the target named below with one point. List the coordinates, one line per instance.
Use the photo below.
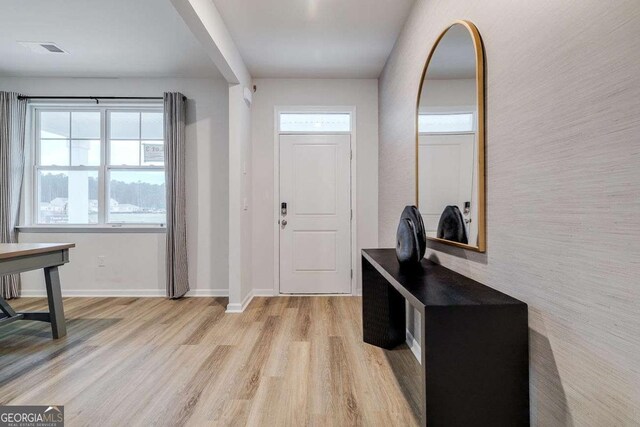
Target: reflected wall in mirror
(450, 139)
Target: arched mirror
(450, 139)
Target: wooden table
(21, 257)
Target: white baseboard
(264, 293)
(239, 308)
(414, 346)
(97, 293)
(315, 295)
(141, 293)
(208, 293)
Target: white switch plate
(101, 261)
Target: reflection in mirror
(450, 140)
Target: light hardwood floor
(285, 361)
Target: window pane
(445, 123)
(54, 124)
(85, 152)
(54, 152)
(152, 153)
(125, 125)
(328, 122)
(137, 197)
(68, 197)
(152, 126)
(85, 124)
(125, 153)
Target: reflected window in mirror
(450, 139)
(446, 122)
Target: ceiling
(104, 38)
(315, 38)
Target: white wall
(563, 187)
(363, 94)
(135, 262)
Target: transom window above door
(446, 122)
(98, 166)
(315, 122)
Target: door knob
(283, 223)
(467, 208)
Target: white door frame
(276, 182)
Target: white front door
(315, 232)
(446, 162)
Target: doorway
(313, 203)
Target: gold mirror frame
(479, 51)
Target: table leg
(54, 297)
(383, 310)
(6, 308)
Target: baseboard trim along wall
(208, 293)
(239, 308)
(414, 346)
(141, 293)
(264, 293)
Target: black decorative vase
(411, 239)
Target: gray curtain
(175, 109)
(13, 112)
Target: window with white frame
(98, 165)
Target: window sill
(92, 229)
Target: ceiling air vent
(43, 47)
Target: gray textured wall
(563, 187)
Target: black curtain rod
(96, 98)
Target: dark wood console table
(21, 257)
(474, 340)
